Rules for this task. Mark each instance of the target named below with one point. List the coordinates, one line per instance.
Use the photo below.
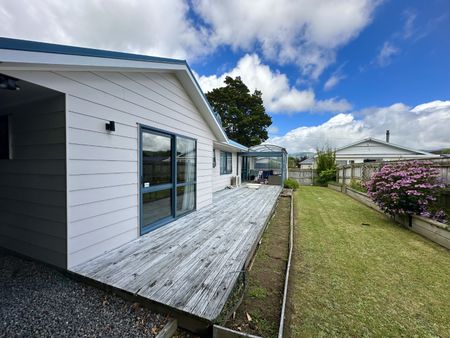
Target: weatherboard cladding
(33, 183)
(103, 191)
(219, 181)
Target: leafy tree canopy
(326, 165)
(326, 159)
(243, 115)
(292, 162)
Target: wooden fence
(363, 171)
(302, 176)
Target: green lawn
(376, 280)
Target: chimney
(387, 135)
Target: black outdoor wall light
(111, 126)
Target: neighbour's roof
(45, 56)
(385, 143)
(308, 160)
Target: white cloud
(333, 80)
(159, 28)
(408, 26)
(303, 32)
(422, 127)
(387, 52)
(273, 130)
(278, 95)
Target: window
(225, 163)
(214, 158)
(4, 137)
(168, 173)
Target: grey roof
(308, 160)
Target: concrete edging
(428, 228)
(224, 332)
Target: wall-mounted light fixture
(8, 83)
(111, 126)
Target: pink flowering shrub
(407, 188)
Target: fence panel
(302, 176)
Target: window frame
(174, 185)
(226, 162)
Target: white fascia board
(19, 59)
(227, 147)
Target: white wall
(33, 182)
(220, 182)
(103, 191)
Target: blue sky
(331, 72)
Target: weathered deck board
(192, 263)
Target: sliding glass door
(168, 177)
(186, 174)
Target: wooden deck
(192, 263)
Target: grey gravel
(39, 301)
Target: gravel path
(39, 301)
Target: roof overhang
(31, 55)
(229, 146)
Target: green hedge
(291, 184)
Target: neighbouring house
(307, 163)
(375, 150)
(98, 148)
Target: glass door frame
(145, 228)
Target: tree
(326, 165)
(292, 162)
(407, 188)
(243, 115)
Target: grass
(350, 279)
(257, 292)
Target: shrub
(326, 166)
(326, 176)
(290, 183)
(407, 188)
(357, 185)
(326, 159)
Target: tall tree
(243, 115)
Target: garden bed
(259, 311)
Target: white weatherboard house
(98, 148)
(374, 150)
